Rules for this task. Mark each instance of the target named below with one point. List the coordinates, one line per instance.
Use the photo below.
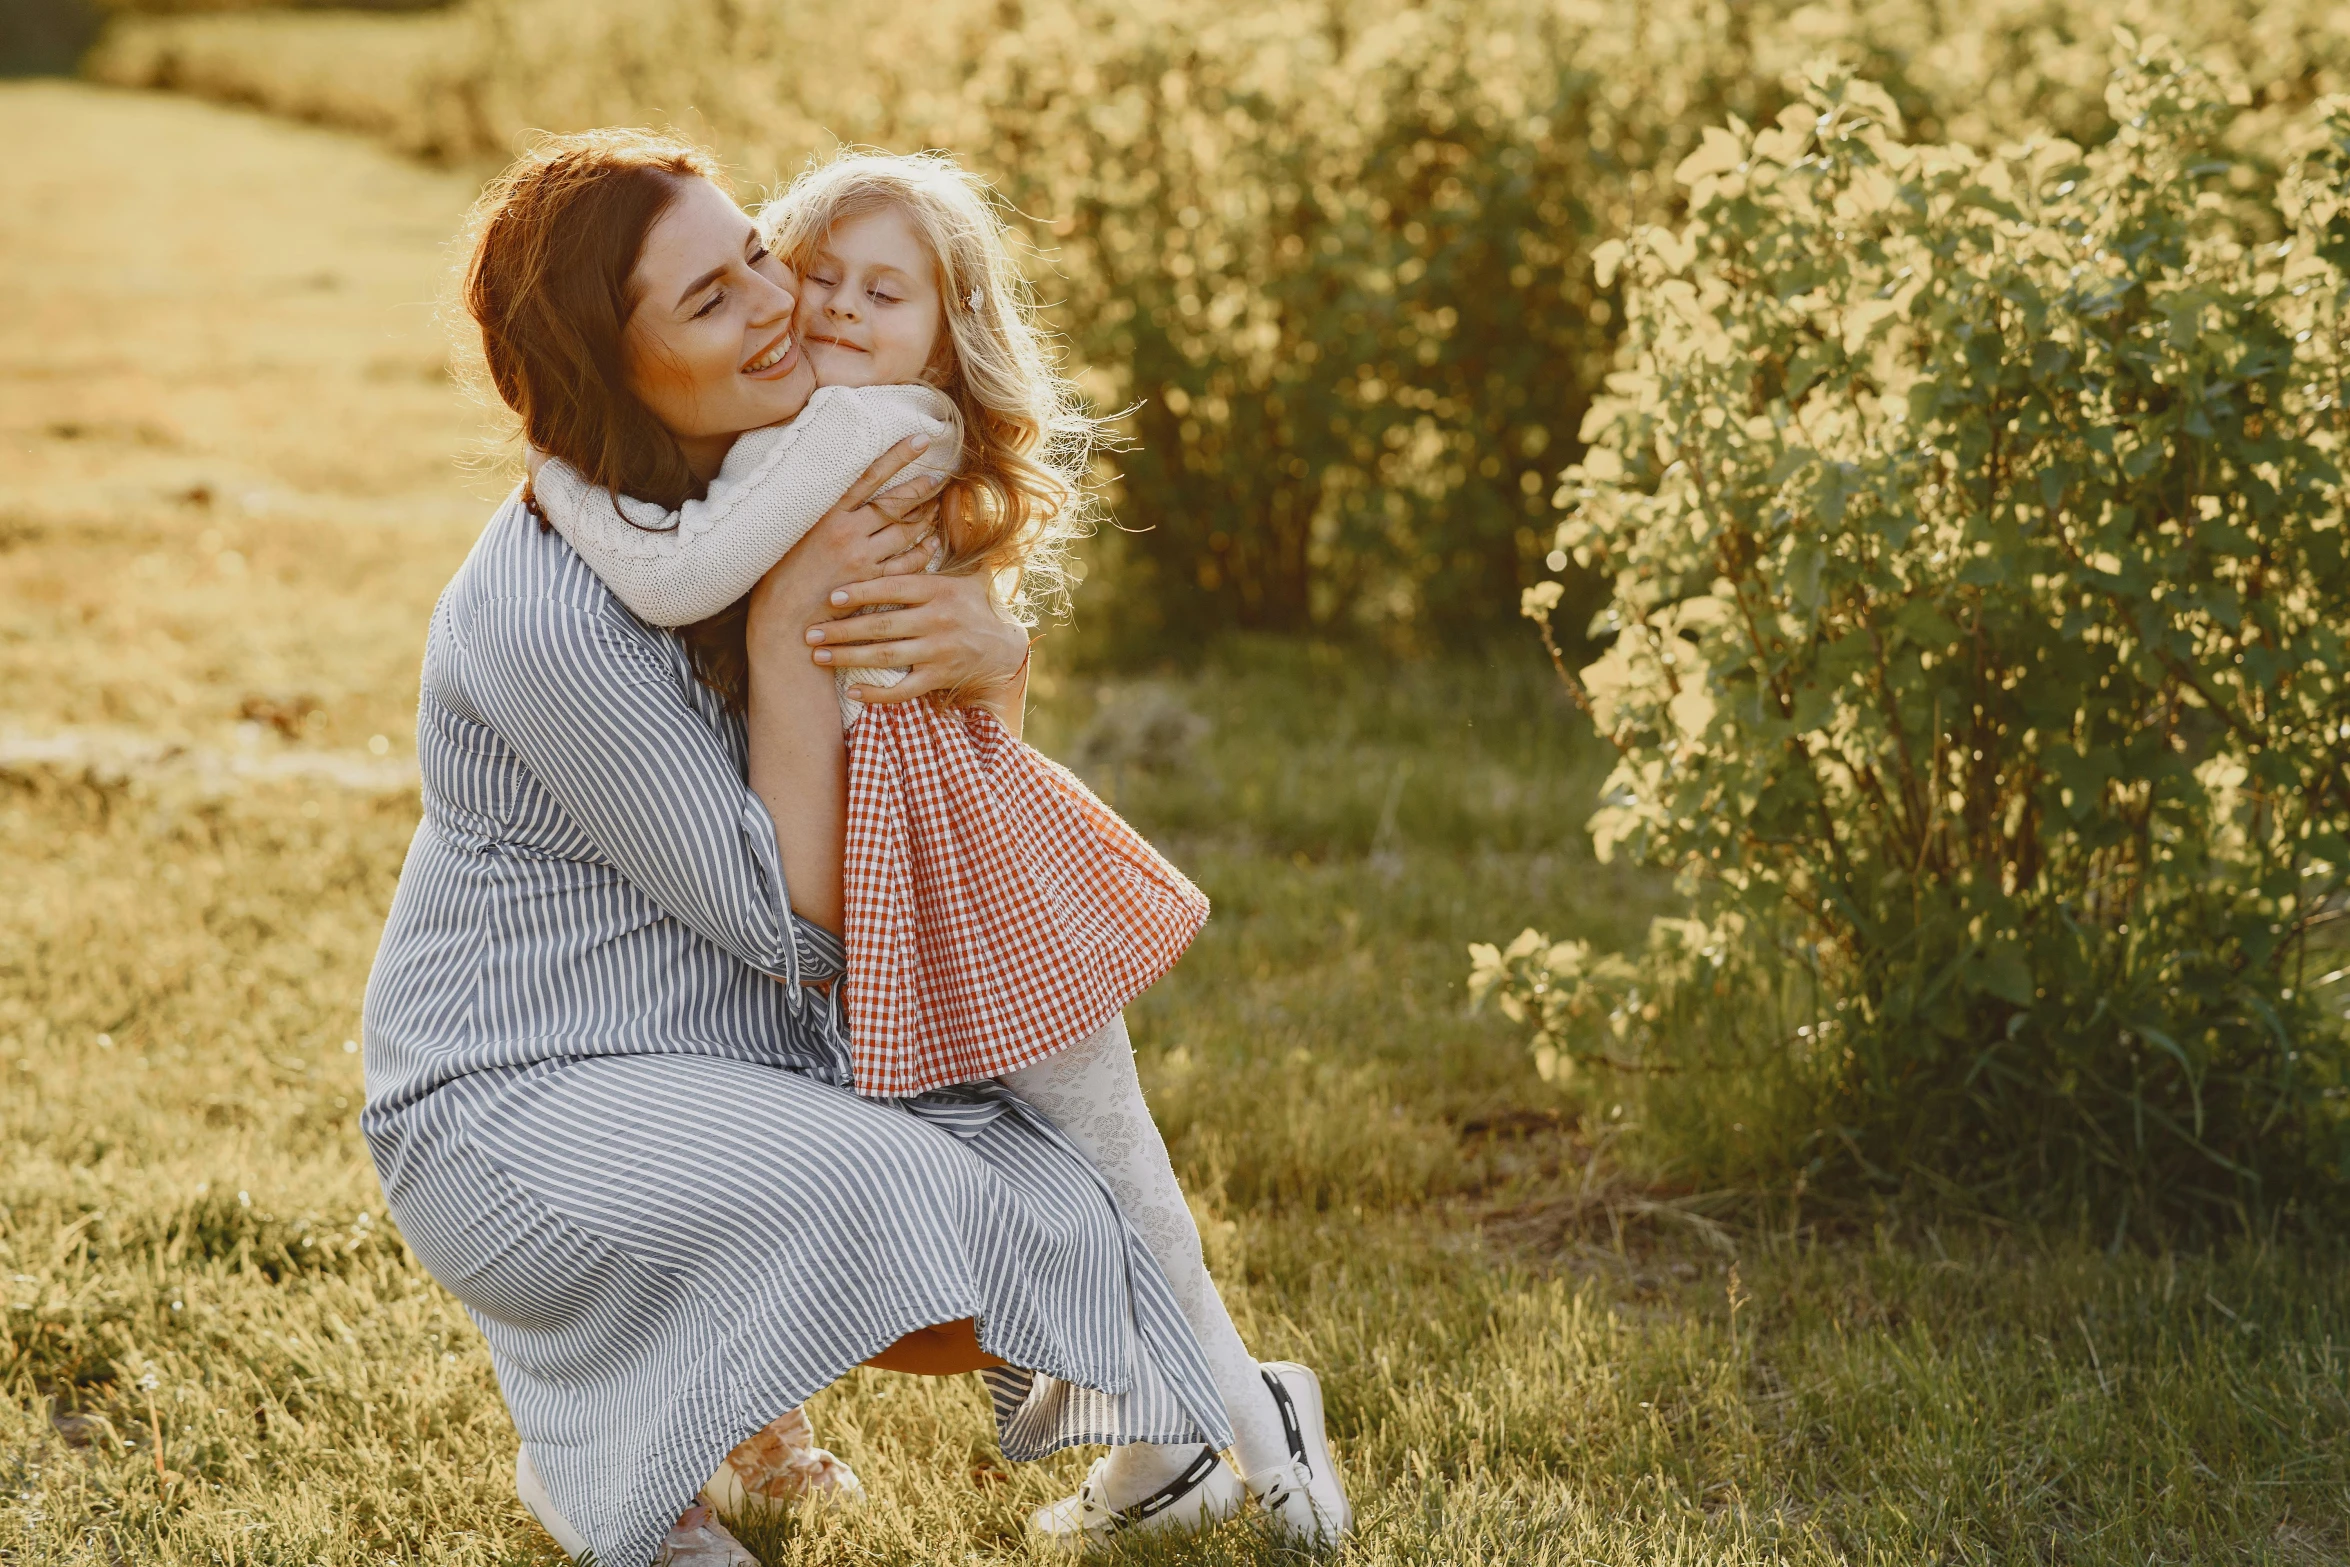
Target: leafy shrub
(1976, 534)
(1343, 282)
(1336, 257)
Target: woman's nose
(776, 303)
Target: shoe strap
(1194, 1475)
(1290, 1429)
(1275, 1486)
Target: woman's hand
(943, 630)
(856, 541)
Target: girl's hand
(854, 542)
(945, 632)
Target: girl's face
(709, 345)
(870, 313)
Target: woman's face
(710, 348)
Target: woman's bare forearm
(799, 769)
(799, 764)
(1009, 702)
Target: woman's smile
(777, 360)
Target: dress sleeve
(591, 705)
(676, 567)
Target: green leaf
(1804, 565)
(2003, 971)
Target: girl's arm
(672, 568)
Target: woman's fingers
(926, 670)
(851, 597)
(911, 502)
(923, 676)
(881, 470)
(896, 653)
(944, 630)
(886, 626)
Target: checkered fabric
(997, 911)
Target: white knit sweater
(672, 568)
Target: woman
(607, 1093)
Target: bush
(1976, 534)
(1343, 282)
(387, 75)
(1335, 256)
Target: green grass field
(236, 473)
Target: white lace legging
(1091, 1092)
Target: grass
(214, 1349)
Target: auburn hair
(555, 245)
(1020, 495)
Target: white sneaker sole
(1082, 1522)
(531, 1491)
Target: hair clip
(978, 298)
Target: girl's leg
(1091, 1093)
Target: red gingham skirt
(996, 910)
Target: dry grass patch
(214, 1350)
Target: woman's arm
(589, 702)
(944, 631)
(798, 758)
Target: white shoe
(1205, 1494)
(532, 1492)
(1303, 1498)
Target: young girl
(998, 915)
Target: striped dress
(635, 1156)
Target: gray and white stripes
(604, 1125)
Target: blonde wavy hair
(1021, 493)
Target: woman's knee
(945, 1349)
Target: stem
(163, 1474)
(1558, 661)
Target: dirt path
(233, 462)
